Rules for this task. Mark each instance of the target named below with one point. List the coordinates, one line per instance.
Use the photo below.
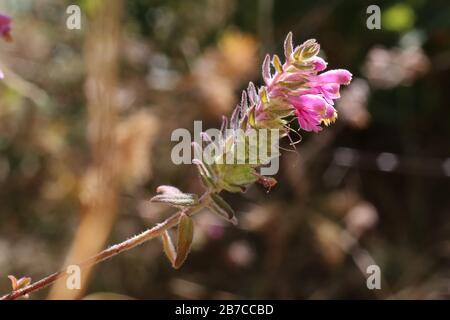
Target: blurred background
(85, 123)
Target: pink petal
(340, 76)
(5, 24)
(329, 112)
(308, 121)
(330, 92)
(319, 64)
(310, 101)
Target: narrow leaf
(177, 200)
(221, 207)
(202, 168)
(205, 167)
(205, 174)
(185, 236)
(169, 249)
(266, 70)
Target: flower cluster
(297, 87)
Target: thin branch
(111, 251)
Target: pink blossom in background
(5, 27)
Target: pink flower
(319, 64)
(299, 83)
(338, 76)
(330, 92)
(308, 119)
(311, 110)
(5, 27)
(296, 87)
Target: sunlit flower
(299, 85)
(311, 110)
(298, 88)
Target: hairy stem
(112, 251)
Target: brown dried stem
(112, 251)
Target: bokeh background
(85, 123)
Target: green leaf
(234, 175)
(185, 236)
(222, 208)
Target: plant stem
(112, 251)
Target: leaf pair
(178, 255)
